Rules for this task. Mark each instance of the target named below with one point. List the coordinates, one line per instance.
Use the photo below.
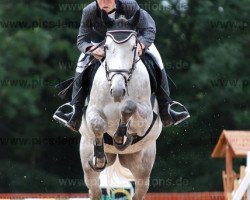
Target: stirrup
(60, 120)
(184, 110)
(176, 103)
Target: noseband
(122, 72)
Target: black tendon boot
(73, 119)
(167, 114)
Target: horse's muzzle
(118, 94)
(118, 87)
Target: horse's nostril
(111, 92)
(124, 92)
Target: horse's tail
(117, 174)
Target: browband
(112, 34)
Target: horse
(120, 107)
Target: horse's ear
(108, 22)
(135, 19)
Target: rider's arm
(145, 27)
(83, 38)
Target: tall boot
(167, 114)
(78, 97)
(73, 119)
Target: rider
(91, 32)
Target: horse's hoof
(123, 146)
(118, 139)
(121, 131)
(94, 162)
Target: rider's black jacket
(93, 30)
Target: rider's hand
(140, 48)
(98, 53)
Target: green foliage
(26, 178)
(205, 50)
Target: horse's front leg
(127, 110)
(91, 177)
(142, 118)
(98, 124)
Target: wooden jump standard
(232, 144)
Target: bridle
(122, 72)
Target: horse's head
(121, 52)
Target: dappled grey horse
(120, 108)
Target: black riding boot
(73, 119)
(168, 115)
(78, 98)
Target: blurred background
(205, 46)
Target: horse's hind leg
(140, 164)
(91, 177)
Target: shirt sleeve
(83, 38)
(146, 26)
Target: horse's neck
(140, 77)
(139, 85)
(100, 84)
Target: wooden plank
(229, 161)
(239, 141)
(219, 150)
(242, 172)
(149, 196)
